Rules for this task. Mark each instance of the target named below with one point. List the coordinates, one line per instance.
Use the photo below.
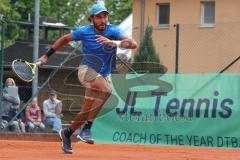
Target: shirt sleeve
(77, 35)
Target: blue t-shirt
(96, 55)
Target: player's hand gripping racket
(24, 70)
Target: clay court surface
(34, 150)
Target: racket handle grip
(38, 63)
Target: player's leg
(101, 97)
(98, 88)
(81, 117)
(100, 94)
(85, 76)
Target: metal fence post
(177, 48)
(36, 45)
(1, 68)
(177, 59)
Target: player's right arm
(61, 42)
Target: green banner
(199, 110)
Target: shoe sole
(60, 135)
(88, 142)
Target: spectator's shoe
(66, 142)
(85, 136)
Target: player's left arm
(125, 42)
(128, 43)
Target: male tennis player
(97, 41)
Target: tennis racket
(24, 70)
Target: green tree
(72, 12)
(26, 8)
(119, 10)
(76, 12)
(7, 11)
(146, 52)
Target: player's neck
(99, 31)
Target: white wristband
(117, 43)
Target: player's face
(100, 20)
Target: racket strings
(23, 71)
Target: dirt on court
(34, 150)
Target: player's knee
(107, 90)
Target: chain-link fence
(17, 41)
(209, 49)
(192, 48)
(1, 65)
(185, 48)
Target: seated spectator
(52, 108)
(17, 124)
(10, 100)
(34, 117)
